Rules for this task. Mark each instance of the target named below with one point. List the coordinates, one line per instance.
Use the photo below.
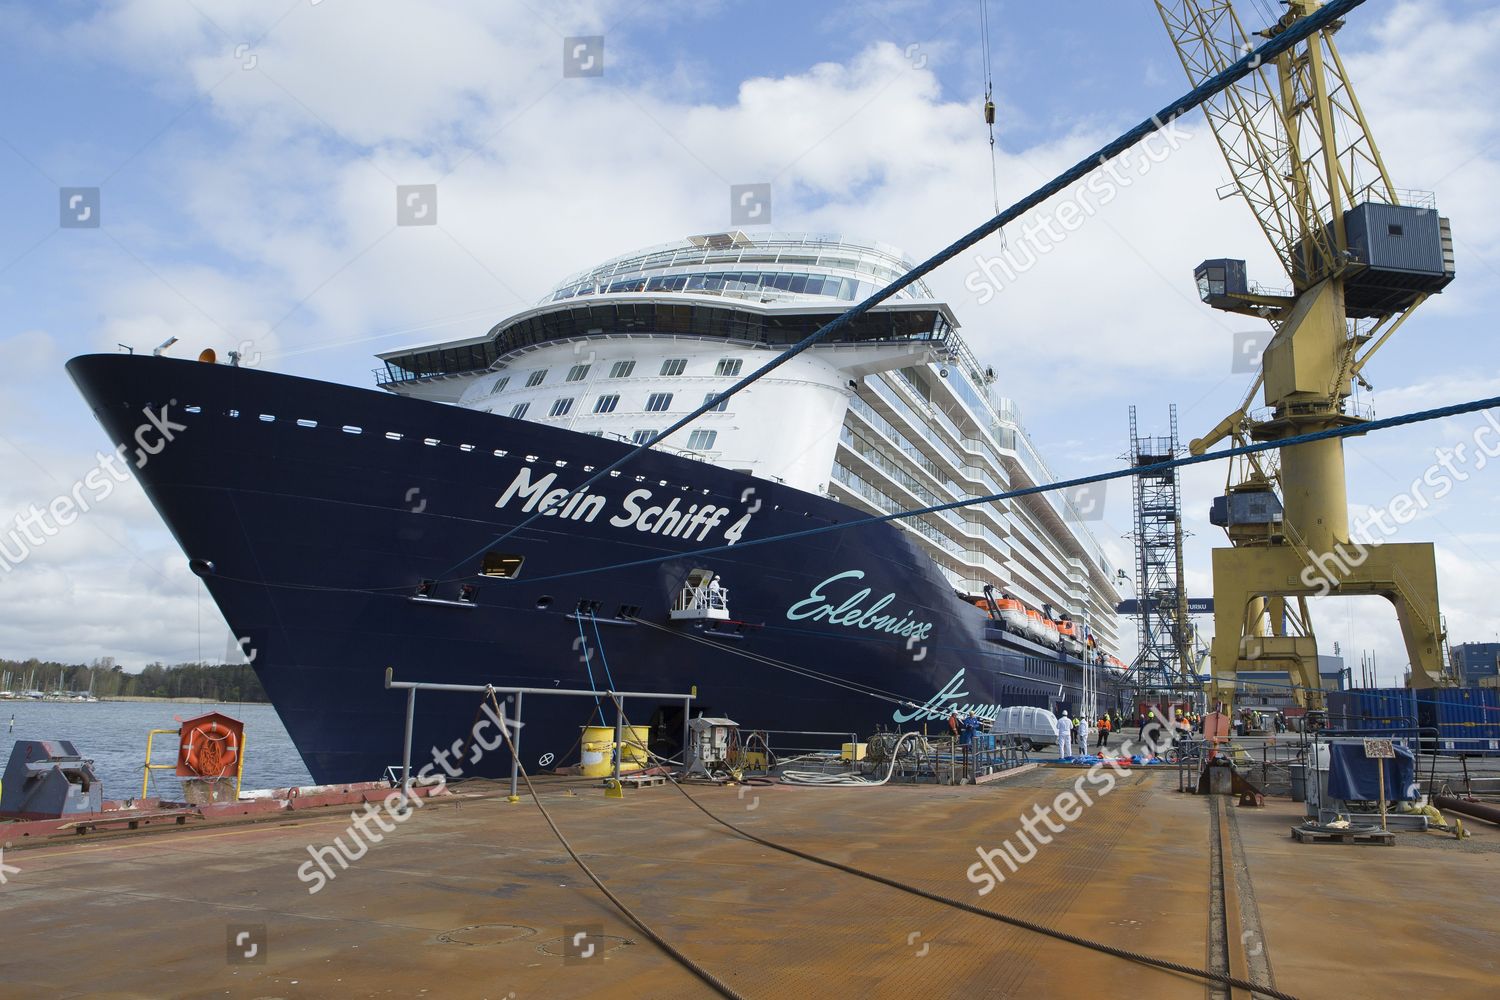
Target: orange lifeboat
(1012, 615)
(1067, 631)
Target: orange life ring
(210, 750)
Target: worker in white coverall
(1064, 736)
(1083, 738)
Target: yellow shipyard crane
(1361, 255)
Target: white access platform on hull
(701, 599)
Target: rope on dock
(719, 986)
(1004, 918)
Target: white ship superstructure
(893, 412)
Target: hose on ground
(847, 780)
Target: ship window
(729, 366)
(720, 406)
(561, 407)
(578, 373)
(641, 437)
(519, 410)
(500, 384)
(702, 440)
(622, 369)
(536, 378)
(658, 402)
(606, 404)
(674, 366)
(1394, 230)
(505, 565)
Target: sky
(247, 156)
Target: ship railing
(387, 375)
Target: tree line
(224, 682)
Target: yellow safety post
(146, 773)
(239, 771)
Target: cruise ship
(435, 525)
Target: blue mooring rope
(599, 644)
(583, 644)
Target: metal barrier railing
(944, 759)
(1404, 734)
(784, 751)
(950, 760)
(618, 697)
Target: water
(113, 733)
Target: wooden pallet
(642, 780)
(1323, 835)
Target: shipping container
(1467, 720)
(1372, 708)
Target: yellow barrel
(598, 748)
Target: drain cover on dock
(482, 935)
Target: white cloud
(278, 205)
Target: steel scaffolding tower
(1164, 663)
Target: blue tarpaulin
(1353, 776)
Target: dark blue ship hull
(313, 511)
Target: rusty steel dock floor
(471, 898)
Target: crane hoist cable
(989, 101)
